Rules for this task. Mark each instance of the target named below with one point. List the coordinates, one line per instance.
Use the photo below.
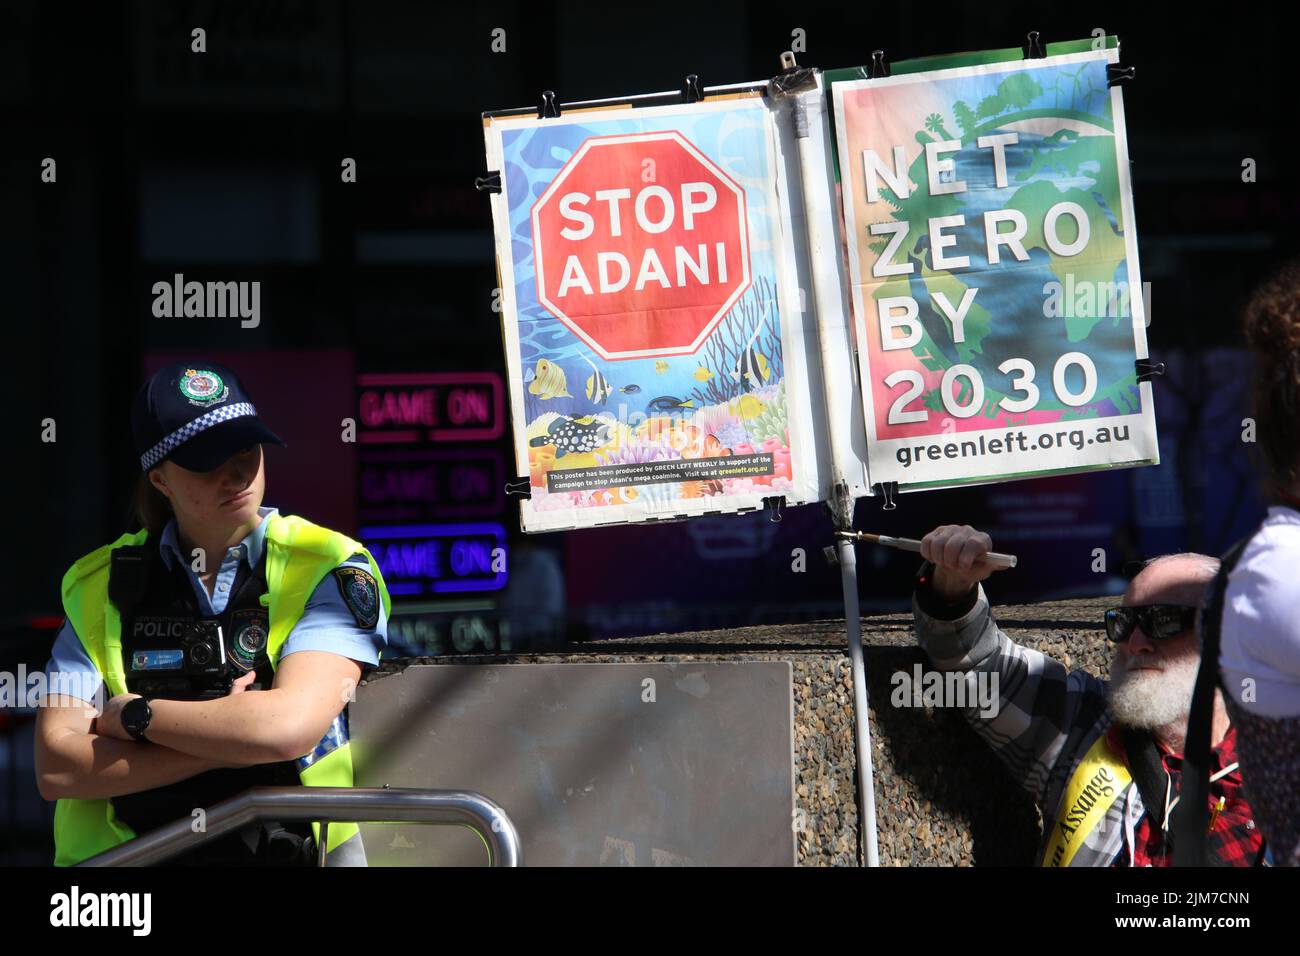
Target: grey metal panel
(590, 771)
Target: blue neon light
(444, 558)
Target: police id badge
(249, 631)
(360, 594)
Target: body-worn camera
(177, 658)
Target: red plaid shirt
(1234, 838)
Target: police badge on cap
(203, 387)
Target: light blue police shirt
(326, 623)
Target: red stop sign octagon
(641, 245)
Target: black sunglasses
(1158, 621)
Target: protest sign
(651, 315)
(997, 303)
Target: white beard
(1150, 700)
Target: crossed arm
(78, 755)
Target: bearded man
(1102, 759)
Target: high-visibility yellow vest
(298, 556)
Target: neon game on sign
(439, 558)
(405, 484)
(410, 408)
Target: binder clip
(1147, 369)
(491, 183)
(691, 89)
(879, 66)
(887, 490)
(1117, 74)
(1034, 51)
(774, 505)
(519, 487)
(548, 108)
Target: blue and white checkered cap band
(187, 431)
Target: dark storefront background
(377, 296)
(226, 166)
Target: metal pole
(797, 88)
(862, 731)
(322, 848)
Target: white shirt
(1261, 619)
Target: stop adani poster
(997, 302)
(651, 320)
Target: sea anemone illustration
(712, 419)
(742, 486)
(555, 501)
(637, 450)
(732, 434)
(773, 420)
(783, 486)
(660, 496)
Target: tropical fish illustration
(666, 403)
(598, 388)
(549, 381)
(747, 406)
(661, 366)
(630, 389)
(703, 374)
(752, 369)
(574, 435)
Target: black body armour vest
(170, 652)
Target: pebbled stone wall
(942, 798)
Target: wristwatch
(136, 714)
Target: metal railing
(326, 804)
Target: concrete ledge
(942, 798)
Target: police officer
(212, 651)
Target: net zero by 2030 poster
(648, 308)
(992, 253)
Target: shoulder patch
(360, 594)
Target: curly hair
(1272, 327)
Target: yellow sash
(1096, 783)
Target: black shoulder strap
(1191, 816)
(1148, 771)
(128, 575)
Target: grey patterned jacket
(1047, 719)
